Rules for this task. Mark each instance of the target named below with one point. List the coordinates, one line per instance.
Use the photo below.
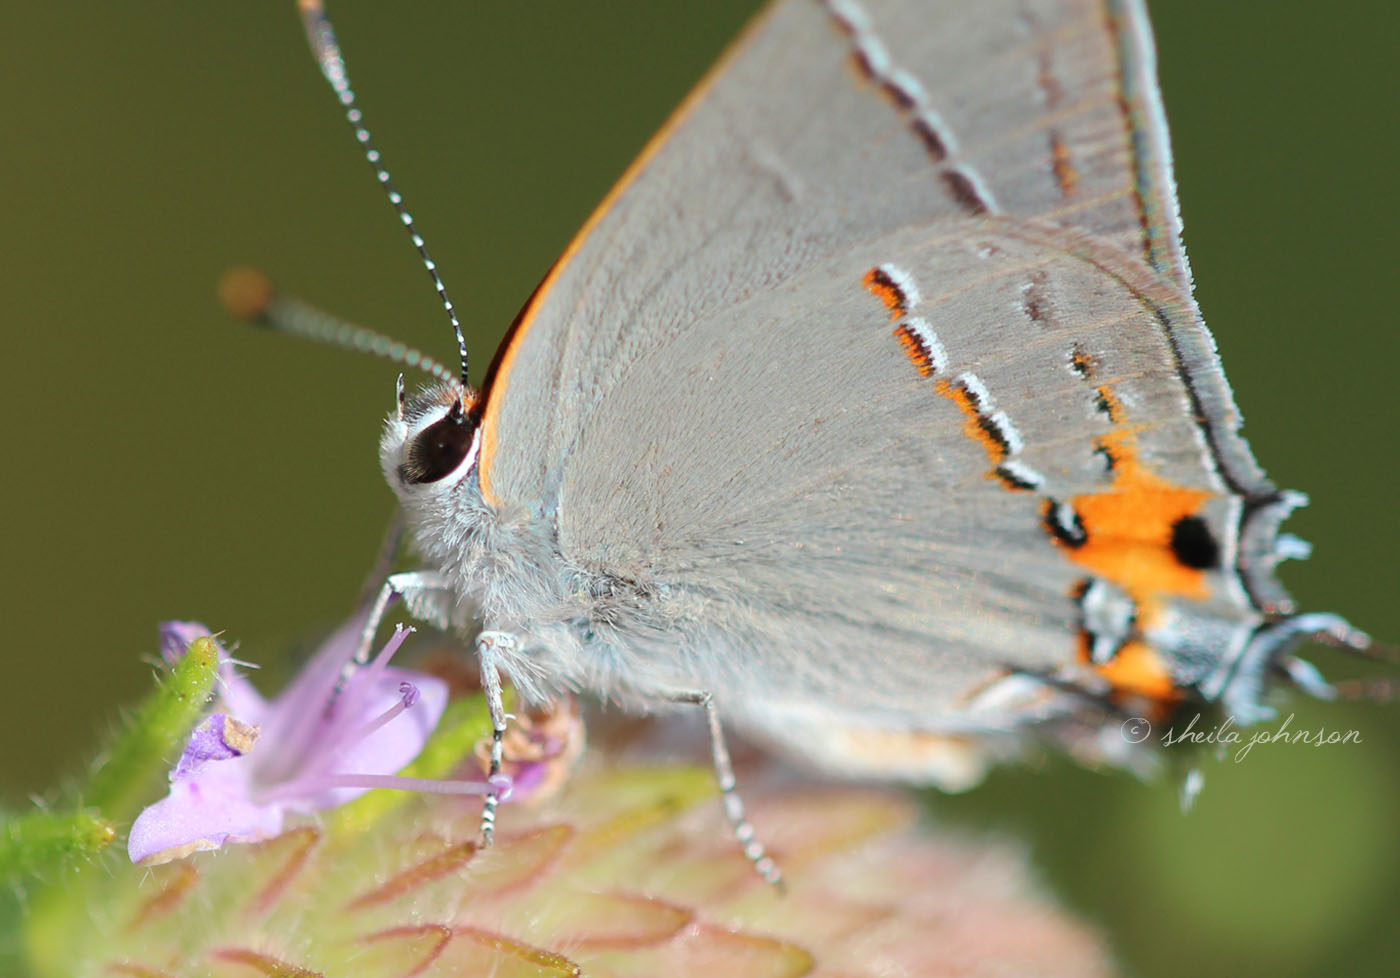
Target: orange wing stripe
(973, 426)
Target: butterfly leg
(422, 592)
(743, 830)
(487, 644)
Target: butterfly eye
(440, 449)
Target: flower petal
(217, 738)
(297, 714)
(204, 810)
(324, 731)
(389, 748)
(240, 698)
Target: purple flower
(320, 743)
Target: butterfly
(871, 411)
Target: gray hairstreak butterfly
(871, 412)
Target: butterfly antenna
(248, 294)
(1336, 633)
(1381, 689)
(1355, 642)
(321, 36)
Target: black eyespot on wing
(439, 449)
(1194, 545)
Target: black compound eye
(439, 449)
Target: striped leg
(763, 864)
(486, 645)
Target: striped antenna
(248, 294)
(321, 36)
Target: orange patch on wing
(884, 290)
(973, 425)
(1085, 364)
(1109, 403)
(914, 350)
(1129, 528)
(1138, 669)
(1065, 173)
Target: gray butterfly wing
(711, 395)
(830, 528)
(793, 147)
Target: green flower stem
(141, 754)
(32, 842)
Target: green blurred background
(164, 462)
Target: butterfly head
(431, 441)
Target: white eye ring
(442, 451)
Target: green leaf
(141, 753)
(32, 842)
